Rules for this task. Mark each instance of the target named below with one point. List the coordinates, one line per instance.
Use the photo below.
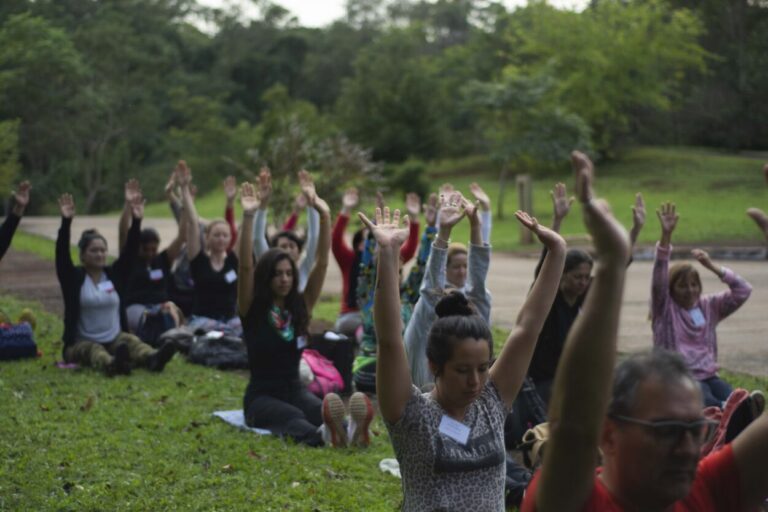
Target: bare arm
(510, 368)
(582, 384)
(250, 203)
(184, 179)
(393, 378)
(750, 449)
(132, 191)
(174, 249)
(638, 220)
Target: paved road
(743, 338)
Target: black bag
(154, 322)
(224, 353)
(17, 342)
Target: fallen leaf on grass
(87, 405)
(228, 468)
(295, 484)
(252, 454)
(44, 408)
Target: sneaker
(121, 362)
(157, 361)
(28, 316)
(333, 419)
(361, 415)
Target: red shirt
(716, 488)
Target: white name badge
(456, 430)
(156, 274)
(214, 335)
(106, 286)
(301, 342)
(697, 316)
(230, 276)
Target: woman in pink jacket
(684, 320)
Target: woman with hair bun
(450, 441)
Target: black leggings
(293, 412)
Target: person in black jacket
(21, 199)
(94, 319)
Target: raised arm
(582, 384)
(250, 203)
(21, 199)
(561, 205)
(485, 210)
(750, 449)
(184, 180)
(412, 205)
(129, 253)
(393, 379)
(409, 290)
(177, 244)
(660, 279)
(313, 224)
(132, 191)
(260, 245)
(638, 220)
(739, 290)
(508, 372)
(317, 274)
(479, 259)
(230, 191)
(344, 254)
(64, 266)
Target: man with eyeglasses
(648, 425)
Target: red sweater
(345, 255)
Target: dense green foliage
(92, 93)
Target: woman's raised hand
(430, 210)
(67, 206)
(561, 203)
(350, 199)
(481, 196)
(248, 199)
(21, 197)
(471, 210)
(548, 237)
(451, 211)
(183, 175)
(307, 185)
(608, 235)
(265, 187)
(132, 191)
(387, 230)
(412, 205)
(137, 205)
(667, 217)
(230, 188)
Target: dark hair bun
(87, 237)
(454, 304)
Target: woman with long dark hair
(275, 318)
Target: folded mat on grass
(236, 418)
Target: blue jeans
(715, 391)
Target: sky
(318, 13)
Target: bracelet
(446, 242)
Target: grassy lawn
(712, 190)
(39, 246)
(75, 440)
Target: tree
(611, 59)
(523, 127)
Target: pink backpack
(327, 377)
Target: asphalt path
(743, 338)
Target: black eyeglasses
(670, 432)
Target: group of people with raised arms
(443, 395)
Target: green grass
(40, 246)
(711, 189)
(76, 440)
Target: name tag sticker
(230, 276)
(106, 286)
(456, 430)
(156, 274)
(697, 317)
(301, 342)
(214, 335)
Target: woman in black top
(148, 279)
(21, 199)
(213, 267)
(275, 318)
(94, 320)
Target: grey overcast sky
(318, 13)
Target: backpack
(223, 352)
(154, 322)
(327, 377)
(16, 341)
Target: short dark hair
(289, 235)
(662, 364)
(457, 320)
(88, 236)
(149, 236)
